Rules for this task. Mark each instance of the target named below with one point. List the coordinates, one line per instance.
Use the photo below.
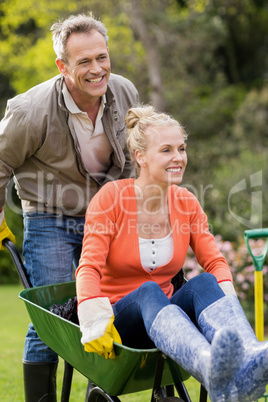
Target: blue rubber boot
(252, 376)
(214, 366)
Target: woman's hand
(97, 326)
(104, 345)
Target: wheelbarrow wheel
(96, 394)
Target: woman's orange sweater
(110, 262)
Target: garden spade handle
(258, 262)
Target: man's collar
(70, 103)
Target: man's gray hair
(82, 23)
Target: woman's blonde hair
(138, 120)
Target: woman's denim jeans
(51, 249)
(135, 313)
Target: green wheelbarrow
(132, 370)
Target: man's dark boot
(40, 382)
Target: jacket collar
(109, 96)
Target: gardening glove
(228, 288)
(5, 232)
(96, 320)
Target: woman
(137, 234)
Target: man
(62, 140)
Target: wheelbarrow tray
(131, 371)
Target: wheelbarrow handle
(18, 263)
(68, 369)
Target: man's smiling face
(88, 68)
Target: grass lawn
(14, 324)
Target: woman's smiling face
(165, 159)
